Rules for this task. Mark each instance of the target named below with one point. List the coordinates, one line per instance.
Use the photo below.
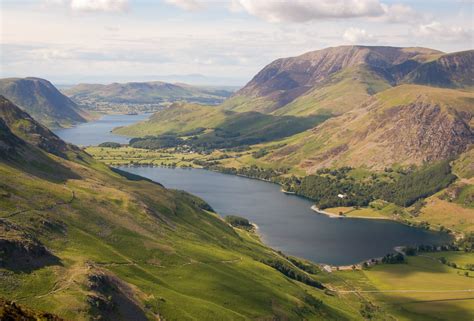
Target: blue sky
(216, 42)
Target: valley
(379, 136)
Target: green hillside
(213, 127)
(43, 101)
(179, 117)
(82, 241)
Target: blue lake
(99, 131)
(285, 222)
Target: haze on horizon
(207, 42)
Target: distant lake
(285, 222)
(99, 131)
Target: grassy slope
(343, 91)
(174, 259)
(235, 129)
(177, 118)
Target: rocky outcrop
(112, 299)
(431, 124)
(425, 133)
(21, 251)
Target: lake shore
(332, 215)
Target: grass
(359, 212)
(177, 118)
(179, 261)
(343, 91)
(462, 259)
(137, 156)
(418, 274)
(424, 274)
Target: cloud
(304, 10)
(190, 5)
(438, 31)
(92, 5)
(397, 13)
(358, 36)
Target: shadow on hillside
(40, 165)
(20, 251)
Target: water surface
(287, 223)
(99, 131)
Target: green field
(421, 289)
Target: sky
(208, 42)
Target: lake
(285, 222)
(99, 131)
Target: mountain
(43, 101)
(452, 70)
(373, 95)
(407, 124)
(85, 242)
(309, 83)
(144, 93)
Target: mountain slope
(92, 243)
(179, 117)
(283, 80)
(144, 93)
(454, 70)
(407, 124)
(43, 101)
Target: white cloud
(190, 5)
(438, 31)
(92, 5)
(305, 10)
(358, 36)
(99, 5)
(399, 13)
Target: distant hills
(155, 92)
(43, 101)
(386, 105)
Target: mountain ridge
(40, 98)
(285, 80)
